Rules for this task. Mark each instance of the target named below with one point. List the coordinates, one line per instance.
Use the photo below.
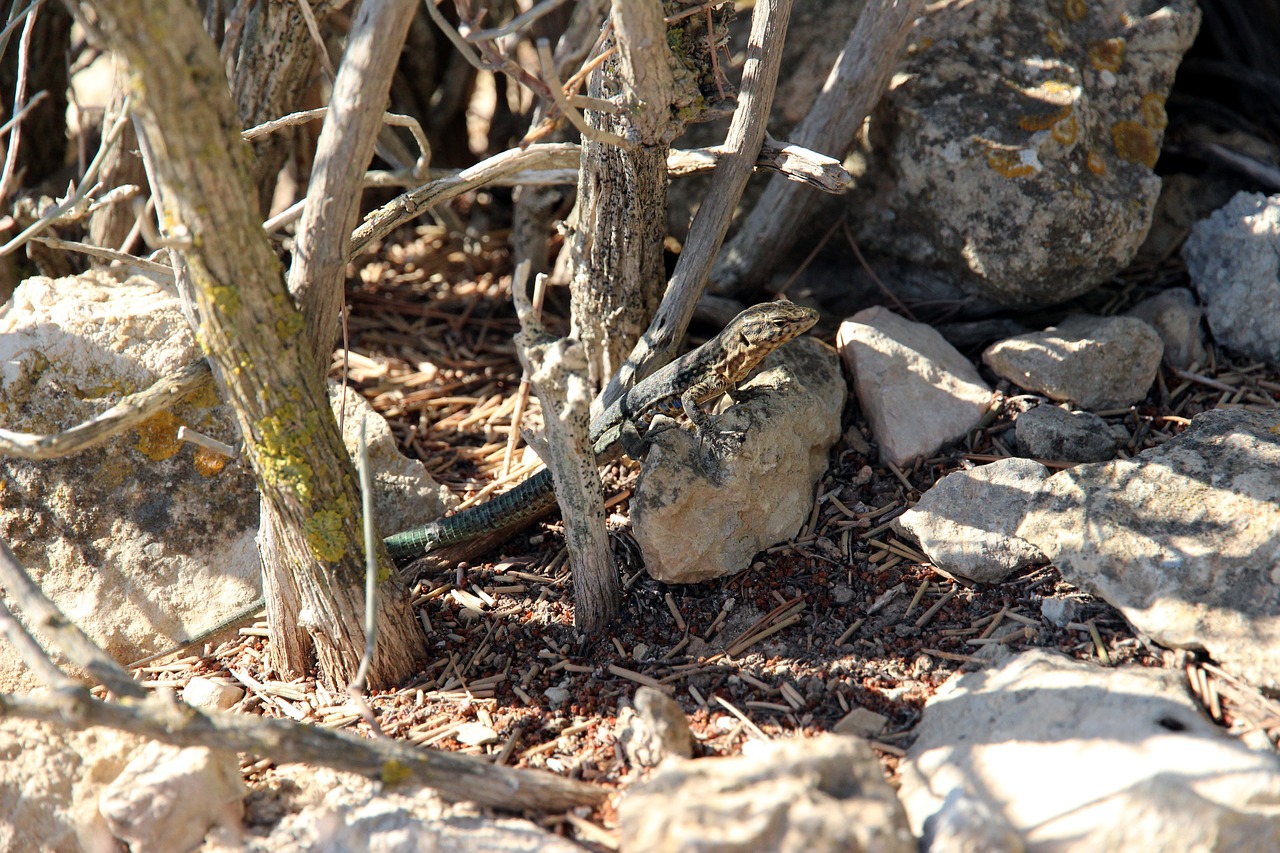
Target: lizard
(680, 387)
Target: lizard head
(769, 325)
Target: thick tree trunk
(253, 334)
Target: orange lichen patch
(1134, 143)
(1067, 130)
(1075, 10)
(1035, 123)
(1009, 163)
(158, 436)
(209, 463)
(1153, 114)
(1107, 55)
(1095, 163)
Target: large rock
(1233, 258)
(1097, 362)
(966, 522)
(142, 541)
(698, 518)
(1016, 149)
(167, 799)
(799, 796)
(50, 780)
(139, 538)
(327, 811)
(916, 390)
(1184, 539)
(1062, 755)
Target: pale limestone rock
(655, 729)
(799, 796)
(916, 390)
(50, 780)
(966, 523)
(1097, 362)
(168, 798)
(1233, 258)
(1184, 539)
(211, 695)
(1073, 756)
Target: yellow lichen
(284, 439)
(394, 772)
(1056, 42)
(209, 463)
(324, 535)
(1075, 10)
(226, 298)
(1095, 163)
(1067, 130)
(158, 436)
(1134, 143)
(1036, 123)
(290, 325)
(1107, 55)
(1009, 163)
(1153, 114)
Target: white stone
(1073, 756)
(1097, 362)
(1233, 258)
(967, 522)
(211, 695)
(916, 390)
(167, 799)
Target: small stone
(861, 722)
(206, 693)
(475, 734)
(966, 523)
(916, 390)
(1048, 432)
(167, 799)
(1097, 362)
(1174, 314)
(656, 729)
(1059, 611)
(557, 696)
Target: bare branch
(106, 254)
(853, 87)
(515, 24)
(87, 186)
(133, 409)
(19, 95)
(413, 204)
(457, 777)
